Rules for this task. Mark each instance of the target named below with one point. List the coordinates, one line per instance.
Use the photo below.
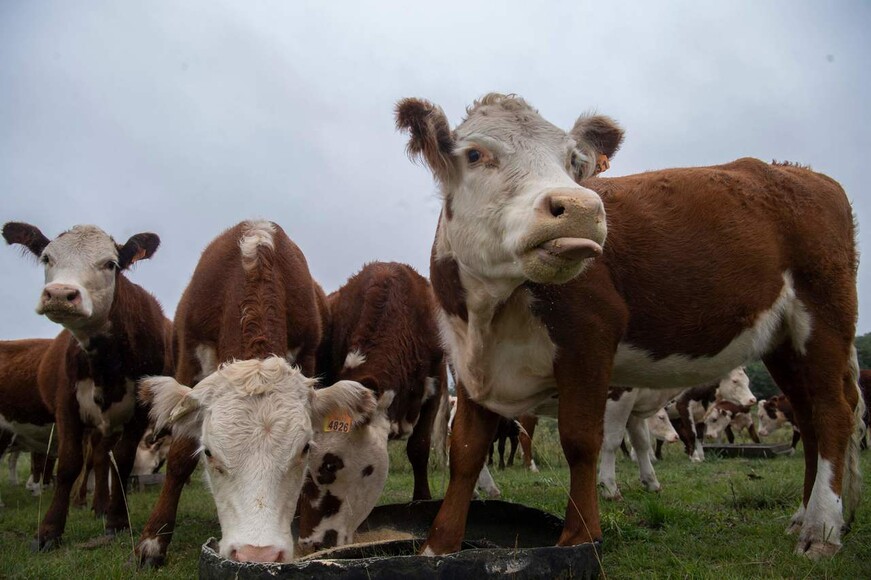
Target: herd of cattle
(605, 303)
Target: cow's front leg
(124, 455)
(101, 445)
(70, 459)
(639, 434)
(583, 390)
(473, 430)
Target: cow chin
(62, 313)
(542, 268)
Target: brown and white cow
(553, 286)
(727, 418)
(507, 430)
(774, 413)
(528, 423)
(113, 335)
(382, 334)
(250, 312)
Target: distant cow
(774, 413)
(689, 409)
(508, 430)
(151, 452)
(246, 332)
(528, 423)
(661, 430)
(865, 385)
(725, 418)
(554, 285)
(113, 335)
(382, 334)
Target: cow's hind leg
(821, 383)
(418, 447)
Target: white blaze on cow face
(735, 388)
(255, 422)
(346, 475)
(513, 208)
(81, 267)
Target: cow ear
(600, 135)
(347, 398)
(139, 247)
(26, 235)
(430, 136)
(173, 406)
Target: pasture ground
(724, 518)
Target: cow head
(735, 388)
(81, 268)
(254, 420)
(513, 208)
(717, 419)
(770, 417)
(347, 471)
(660, 427)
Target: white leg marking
(824, 518)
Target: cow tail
(852, 488)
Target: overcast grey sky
(183, 118)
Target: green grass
(723, 518)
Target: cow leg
(157, 534)
(501, 453)
(101, 445)
(513, 440)
(753, 434)
(658, 452)
(639, 435)
(490, 453)
(527, 430)
(730, 435)
(474, 428)
(796, 437)
(487, 485)
(13, 467)
(80, 489)
(69, 430)
(822, 386)
(124, 455)
(616, 417)
(581, 423)
(418, 447)
(698, 444)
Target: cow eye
(207, 453)
(473, 155)
(306, 448)
(43, 259)
(110, 265)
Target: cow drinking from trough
(250, 310)
(113, 335)
(382, 334)
(553, 285)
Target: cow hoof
(44, 545)
(793, 528)
(652, 487)
(817, 550)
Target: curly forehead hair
(510, 102)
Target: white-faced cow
(250, 311)
(113, 335)
(726, 418)
(688, 411)
(382, 334)
(554, 286)
(775, 413)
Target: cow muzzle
(60, 302)
(568, 231)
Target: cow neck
(483, 298)
(105, 355)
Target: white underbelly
(29, 436)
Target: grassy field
(724, 518)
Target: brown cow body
(230, 311)
(383, 334)
(703, 270)
(87, 377)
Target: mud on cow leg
(822, 386)
(473, 430)
(157, 534)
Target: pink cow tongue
(572, 248)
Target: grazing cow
(249, 312)
(688, 411)
(382, 334)
(508, 429)
(661, 430)
(151, 453)
(725, 417)
(703, 270)
(774, 413)
(113, 335)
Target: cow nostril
(556, 208)
(72, 295)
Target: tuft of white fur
(354, 359)
(257, 377)
(851, 489)
(163, 394)
(257, 233)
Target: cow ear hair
(26, 235)
(344, 397)
(430, 136)
(173, 406)
(600, 134)
(138, 247)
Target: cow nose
(62, 293)
(752, 400)
(570, 203)
(249, 553)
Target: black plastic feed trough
(750, 450)
(502, 539)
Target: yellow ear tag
(602, 164)
(338, 422)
